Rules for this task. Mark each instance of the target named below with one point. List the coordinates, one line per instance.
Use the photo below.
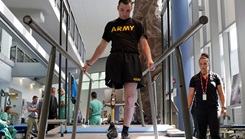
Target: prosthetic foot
(112, 132)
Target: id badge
(204, 96)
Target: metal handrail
(45, 106)
(192, 30)
(31, 23)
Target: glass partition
(13, 53)
(20, 55)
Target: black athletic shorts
(123, 67)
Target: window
(99, 81)
(233, 51)
(222, 56)
(20, 55)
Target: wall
(25, 89)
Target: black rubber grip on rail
(203, 19)
(27, 19)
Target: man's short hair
(124, 1)
(34, 97)
(94, 95)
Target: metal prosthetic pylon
(112, 131)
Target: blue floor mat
(103, 128)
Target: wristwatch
(223, 107)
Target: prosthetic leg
(112, 131)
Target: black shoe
(112, 132)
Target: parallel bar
(192, 30)
(32, 24)
(141, 109)
(168, 67)
(60, 57)
(47, 95)
(155, 95)
(153, 108)
(66, 69)
(183, 95)
(88, 102)
(74, 129)
(69, 99)
(164, 8)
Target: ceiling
(91, 17)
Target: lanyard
(204, 91)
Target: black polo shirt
(212, 96)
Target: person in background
(53, 106)
(6, 115)
(123, 68)
(62, 104)
(32, 117)
(5, 123)
(203, 98)
(95, 110)
(52, 114)
(4, 127)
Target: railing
(69, 19)
(42, 127)
(193, 29)
(175, 47)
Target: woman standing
(203, 97)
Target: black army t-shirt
(124, 34)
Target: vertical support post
(88, 103)
(60, 56)
(141, 109)
(47, 95)
(155, 96)
(74, 129)
(183, 95)
(153, 110)
(162, 41)
(168, 61)
(69, 99)
(66, 63)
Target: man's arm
(98, 52)
(30, 109)
(62, 104)
(146, 49)
(90, 113)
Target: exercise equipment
(61, 122)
